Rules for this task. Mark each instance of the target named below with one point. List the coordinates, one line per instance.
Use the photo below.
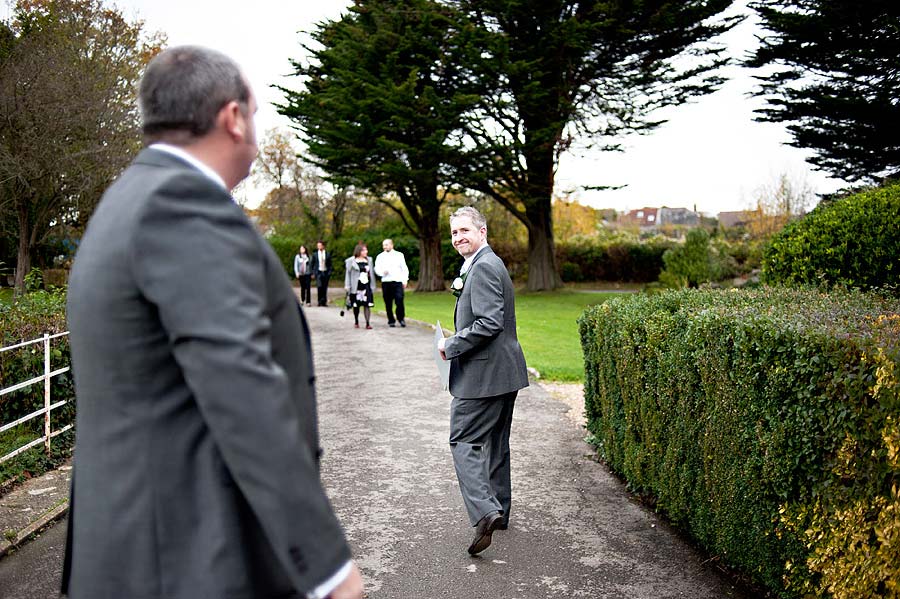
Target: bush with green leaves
(693, 263)
(764, 423)
(852, 241)
(29, 317)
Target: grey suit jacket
(487, 359)
(196, 462)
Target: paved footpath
(384, 424)
(574, 532)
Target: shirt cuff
(323, 590)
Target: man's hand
(441, 349)
(351, 588)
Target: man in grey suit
(487, 370)
(196, 464)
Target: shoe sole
(484, 541)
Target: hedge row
(30, 317)
(765, 423)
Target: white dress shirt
(391, 267)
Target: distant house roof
(734, 219)
(642, 217)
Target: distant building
(739, 218)
(642, 217)
(678, 216)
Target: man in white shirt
(390, 265)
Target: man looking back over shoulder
(196, 470)
(486, 372)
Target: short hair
(183, 90)
(357, 251)
(468, 211)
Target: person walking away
(390, 265)
(302, 270)
(487, 370)
(196, 470)
(359, 283)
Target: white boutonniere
(457, 285)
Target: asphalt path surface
(384, 423)
(34, 570)
(574, 531)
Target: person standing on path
(321, 267)
(302, 270)
(197, 463)
(390, 265)
(486, 372)
(359, 283)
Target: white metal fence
(48, 407)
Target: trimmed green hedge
(853, 242)
(26, 318)
(764, 423)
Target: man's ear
(233, 121)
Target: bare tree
(777, 203)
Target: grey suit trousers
(479, 442)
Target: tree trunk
(543, 273)
(23, 257)
(431, 270)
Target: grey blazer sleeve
(483, 296)
(204, 268)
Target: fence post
(47, 392)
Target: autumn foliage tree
(68, 74)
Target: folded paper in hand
(443, 365)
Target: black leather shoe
(402, 323)
(483, 531)
(391, 324)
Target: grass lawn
(546, 323)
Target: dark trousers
(393, 292)
(479, 442)
(322, 288)
(304, 288)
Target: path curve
(575, 532)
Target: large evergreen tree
(836, 81)
(384, 95)
(553, 69)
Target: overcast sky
(710, 154)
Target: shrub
(693, 263)
(853, 241)
(30, 317)
(764, 423)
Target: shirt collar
(467, 263)
(190, 159)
